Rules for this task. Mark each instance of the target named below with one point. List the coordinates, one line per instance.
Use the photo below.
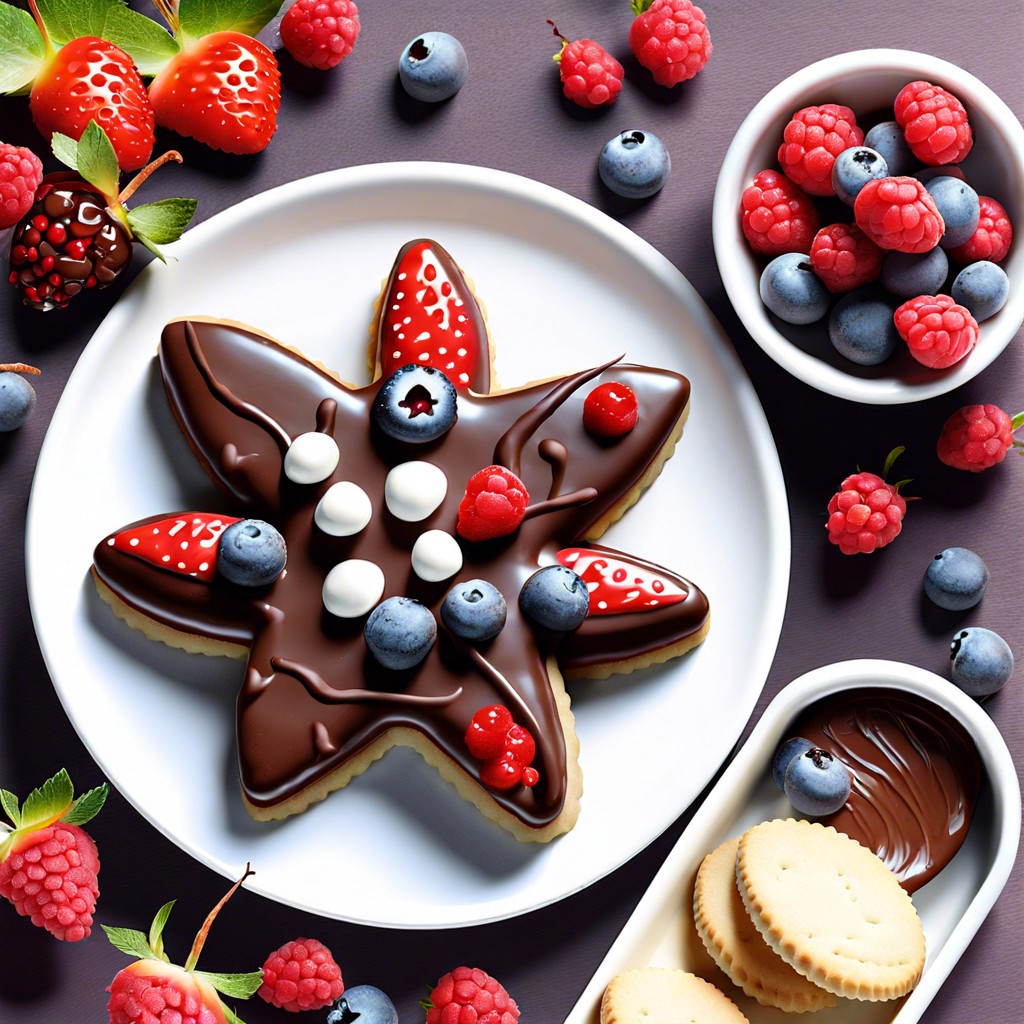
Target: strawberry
(154, 991)
(617, 585)
(428, 316)
(185, 544)
(223, 90)
(48, 864)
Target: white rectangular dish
(952, 906)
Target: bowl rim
(728, 238)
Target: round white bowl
(868, 82)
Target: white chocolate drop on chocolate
(413, 490)
(436, 556)
(344, 510)
(353, 588)
(311, 458)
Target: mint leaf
(1017, 422)
(22, 50)
(156, 929)
(129, 941)
(9, 802)
(149, 45)
(87, 806)
(65, 149)
(891, 458)
(49, 801)
(237, 986)
(229, 1015)
(97, 161)
(151, 246)
(199, 18)
(68, 19)
(161, 222)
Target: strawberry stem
(129, 190)
(169, 12)
(200, 940)
(42, 28)
(19, 368)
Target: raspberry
(20, 172)
(776, 216)
(934, 123)
(320, 33)
(865, 514)
(493, 505)
(991, 239)
(170, 998)
(976, 437)
(468, 995)
(937, 331)
(51, 877)
(485, 736)
(591, 76)
(844, 257)
(670, 38)
(812, 140)
(611, 410)
(301, 975)
(898, 213)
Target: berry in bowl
(863, 225)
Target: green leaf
(22, 49)
(229, 1015)
(97, 161)
(65, 149)
(129, 941)
(156, 929)
(639, 6)
(891, 458)
(68, 19)
(199, 18)
(151, 246)
(9, 802)
(162, 222)
(87, 806)
(237, 986)
(146, 42)
(1017, 422)
(49, 801)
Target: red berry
(776, 216)
(591, 76)
(301, 975)
(20, 171)
(934, 123)
(865, 514)
(670, 38)
(320, 33)
(487, 730)
(812, 140)
(991, 239)
(468, 995)
(611, 410)
(520, 744)
(502, 772)
(898, 213)
(224, 91)
(976, 437)
(844, 257)
(493, 505)
(90, 79)
(937, 331)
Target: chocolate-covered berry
(415, 404)
(817, 783)
(251, 553)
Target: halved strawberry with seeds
(428, 316)
(185, 543)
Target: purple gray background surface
(511, 115)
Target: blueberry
(794, 747)
(792, 291)
(433, 67)
(17, 399)
(958, 203)
(364, 1004)
(982, 661)
(555, 597)
(854, 168)
(888, 139)
(400, 632)
(817, 783)
(634, 164)
(251, 553)
(909, 274)
(474, 610)
(416, 404)
(982, 287)
(956, 579)
(861, 328)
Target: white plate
(565, 287)
(951, 906)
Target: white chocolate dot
(436, 556)
(311, 458)
(413, 490)
(344, 510)
(352, 588)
